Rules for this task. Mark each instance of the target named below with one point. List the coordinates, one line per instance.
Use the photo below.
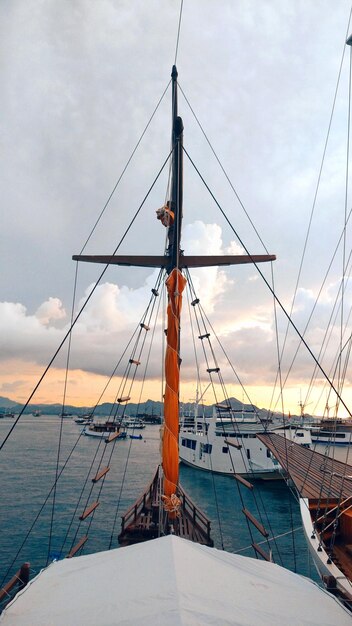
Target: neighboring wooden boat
(324, 487)
(109, 430)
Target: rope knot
(172, 504)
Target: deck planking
(315, 475)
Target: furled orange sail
(175, 284)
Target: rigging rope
(269, 286)
(178, 32)
(84, 305)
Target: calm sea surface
(28, 466)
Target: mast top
(174, 72)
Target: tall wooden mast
(173, 261)
(176, 199)
(175, 284)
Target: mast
(173, 261)
(176, 200)
(175, 284)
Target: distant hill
(150, 407)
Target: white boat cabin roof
(171, 581)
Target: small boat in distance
(134, 423)
(8, 413)
(333, 431)
(108, 430)
(84, 420)
(36, 413)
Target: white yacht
(227, 443)
(133, 422)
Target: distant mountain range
(150, 407)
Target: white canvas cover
(171, 581)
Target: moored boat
(133, 422)
(323, 486)
(227, 443)
(334, 432)
(105, 430)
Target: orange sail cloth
(175, 284)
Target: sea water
(31, 511)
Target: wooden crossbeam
(100, 474)
(260, 551)
(255, 522)
(182, 262)
(77, 547)
(243, 481)
(123, 399)
(233, 444)
(21, 577)
(112, 437)
(89, 510)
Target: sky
(80, 81)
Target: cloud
(50, 311)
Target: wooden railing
(150, 499)
(196, 516)
(148, 496)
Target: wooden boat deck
(314, 475)
(147, 519)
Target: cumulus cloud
(50, 311)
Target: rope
(83, 306)
(270, 288)
(178, 32)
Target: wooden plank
(77, 547)
(112, 437)
(21, 577)
(233, 444)
(243, 481)
(255, 522)
(260, 551)
(89, 510)
(100, 474)
(315, 476)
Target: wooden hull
(334, 564)
(147, 518)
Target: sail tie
(172, 504)
(165, 215)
